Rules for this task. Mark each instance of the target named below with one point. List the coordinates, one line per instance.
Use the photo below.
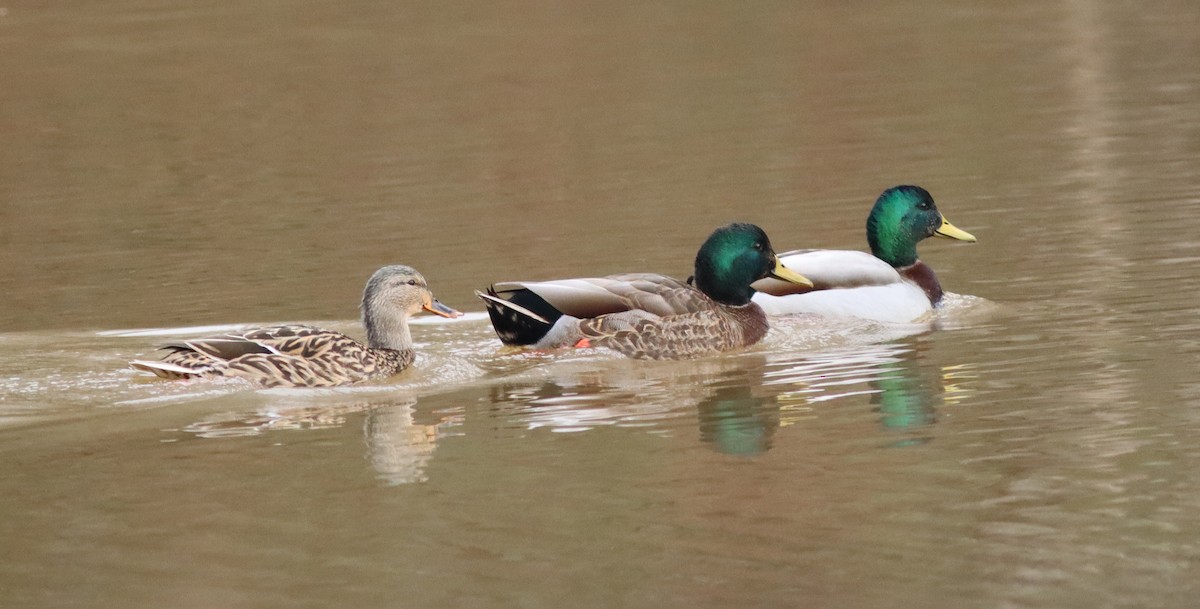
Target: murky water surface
(167, 166)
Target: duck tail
(515, 323)
(164, 370)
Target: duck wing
(338, 364)
(289, 339)
(596, 296)
(830, 269)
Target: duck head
(393, 294)
(902, 217)
(735, 256)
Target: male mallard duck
(304, 356)
(644, 315)
(891, 285)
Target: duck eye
(758, 245)
(412, 282)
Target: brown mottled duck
(305, 356)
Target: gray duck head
(393, 294)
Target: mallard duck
(305, 356)
(644, 315)
(889, 284)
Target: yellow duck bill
(784, 273)
(950, 231)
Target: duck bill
(437, 308)
(784, 273)
(950, 231)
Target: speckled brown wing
(713, 330)
(325, 367)
(294, 339)
(284, 356)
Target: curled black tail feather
(523, 318)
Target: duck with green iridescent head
(644, 315)
(890, 284)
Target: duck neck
(920, 274)
(891, 244)
(733, 297)
(717, 284)
(387, 330)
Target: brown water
(169, 165)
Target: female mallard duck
(644, 315)
(891, 285)
(304, 356)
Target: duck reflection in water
(737, 418)
(581, 396)
(904, 387)
(906, 399)
(740, 402)
(578, 404)
(399, 448)
(911, 391)
(736, 413)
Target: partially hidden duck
(645, 315)
(890, 284)
(305, 356)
